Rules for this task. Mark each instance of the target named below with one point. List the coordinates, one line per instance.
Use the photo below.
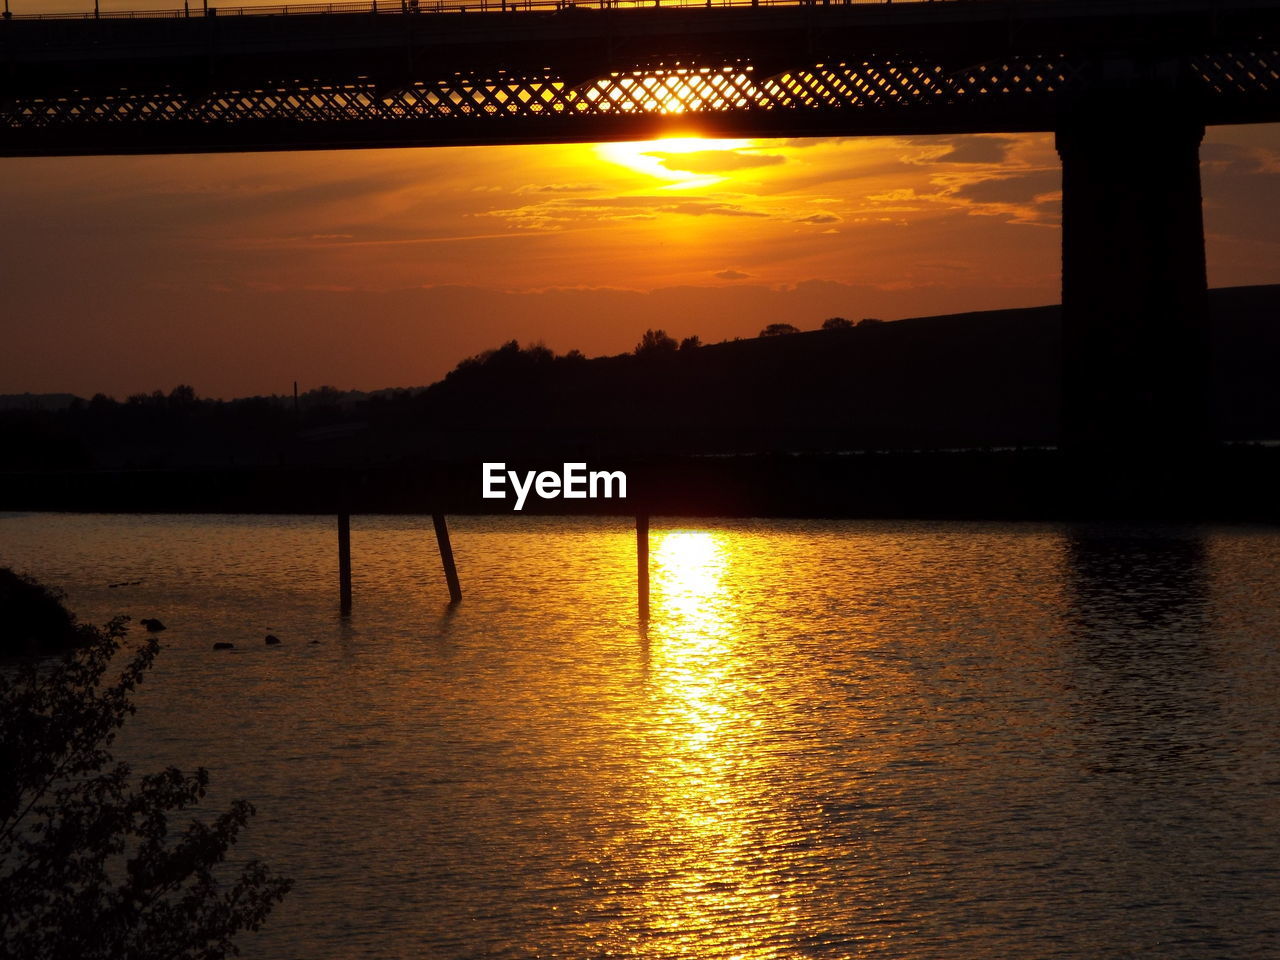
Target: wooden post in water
(446, 557)
(642, 564)
(344, 562)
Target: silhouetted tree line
(982, 379)
(159, 429)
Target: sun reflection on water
(690, 568)
(708, 811)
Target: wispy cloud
(560, 188)
(715, 161)
(346, 240)
(961, 150)
(560, 212)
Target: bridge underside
(209, 84)
(867, 98)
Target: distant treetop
(655, 343)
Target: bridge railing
(420, 7)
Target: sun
(651, 157)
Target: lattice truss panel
(663, 89)
(1239, 76)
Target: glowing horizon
(241, 273)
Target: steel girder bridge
(522, 71)
(1127, 86)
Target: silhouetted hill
(970, 380)
(962, 380)
(988, 379)
(1246, 362)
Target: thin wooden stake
(642, 564)
(344, 562)
(446, 557)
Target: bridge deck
(491, 71)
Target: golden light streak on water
(883, 740)
(703, 776)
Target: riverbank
(1230, 484)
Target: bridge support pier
(1135, 310)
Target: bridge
(1127, 86)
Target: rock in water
(272, 640)
(224, 646)
(152, 625)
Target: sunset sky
(241, 273)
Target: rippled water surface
(835, 739)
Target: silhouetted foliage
(837, 323)
(90, 867)
(33, 618)
(691, 343)
(509, 357)
(779, 330)
(970, 379)
(539, 353)
(508, 360)
(656, 343)
(155, 398)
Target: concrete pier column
(1135, 314)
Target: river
(834, 739)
